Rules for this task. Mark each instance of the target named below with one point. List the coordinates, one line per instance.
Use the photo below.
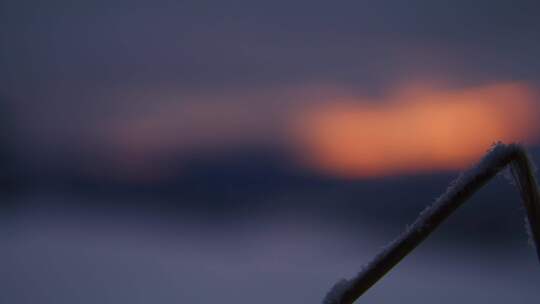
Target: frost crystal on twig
(461, 189)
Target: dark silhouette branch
(501, 155)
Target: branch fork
(459, 191)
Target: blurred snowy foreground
(68, 255)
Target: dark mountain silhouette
(8, 167)
(252, 183)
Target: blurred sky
(327, 125)
(127, 83)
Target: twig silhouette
(501, 155)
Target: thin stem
(501, 155)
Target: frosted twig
(501, 155)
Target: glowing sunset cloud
(416, 129)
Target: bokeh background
(258, 151)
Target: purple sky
(71, 73)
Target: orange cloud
(415, 129)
